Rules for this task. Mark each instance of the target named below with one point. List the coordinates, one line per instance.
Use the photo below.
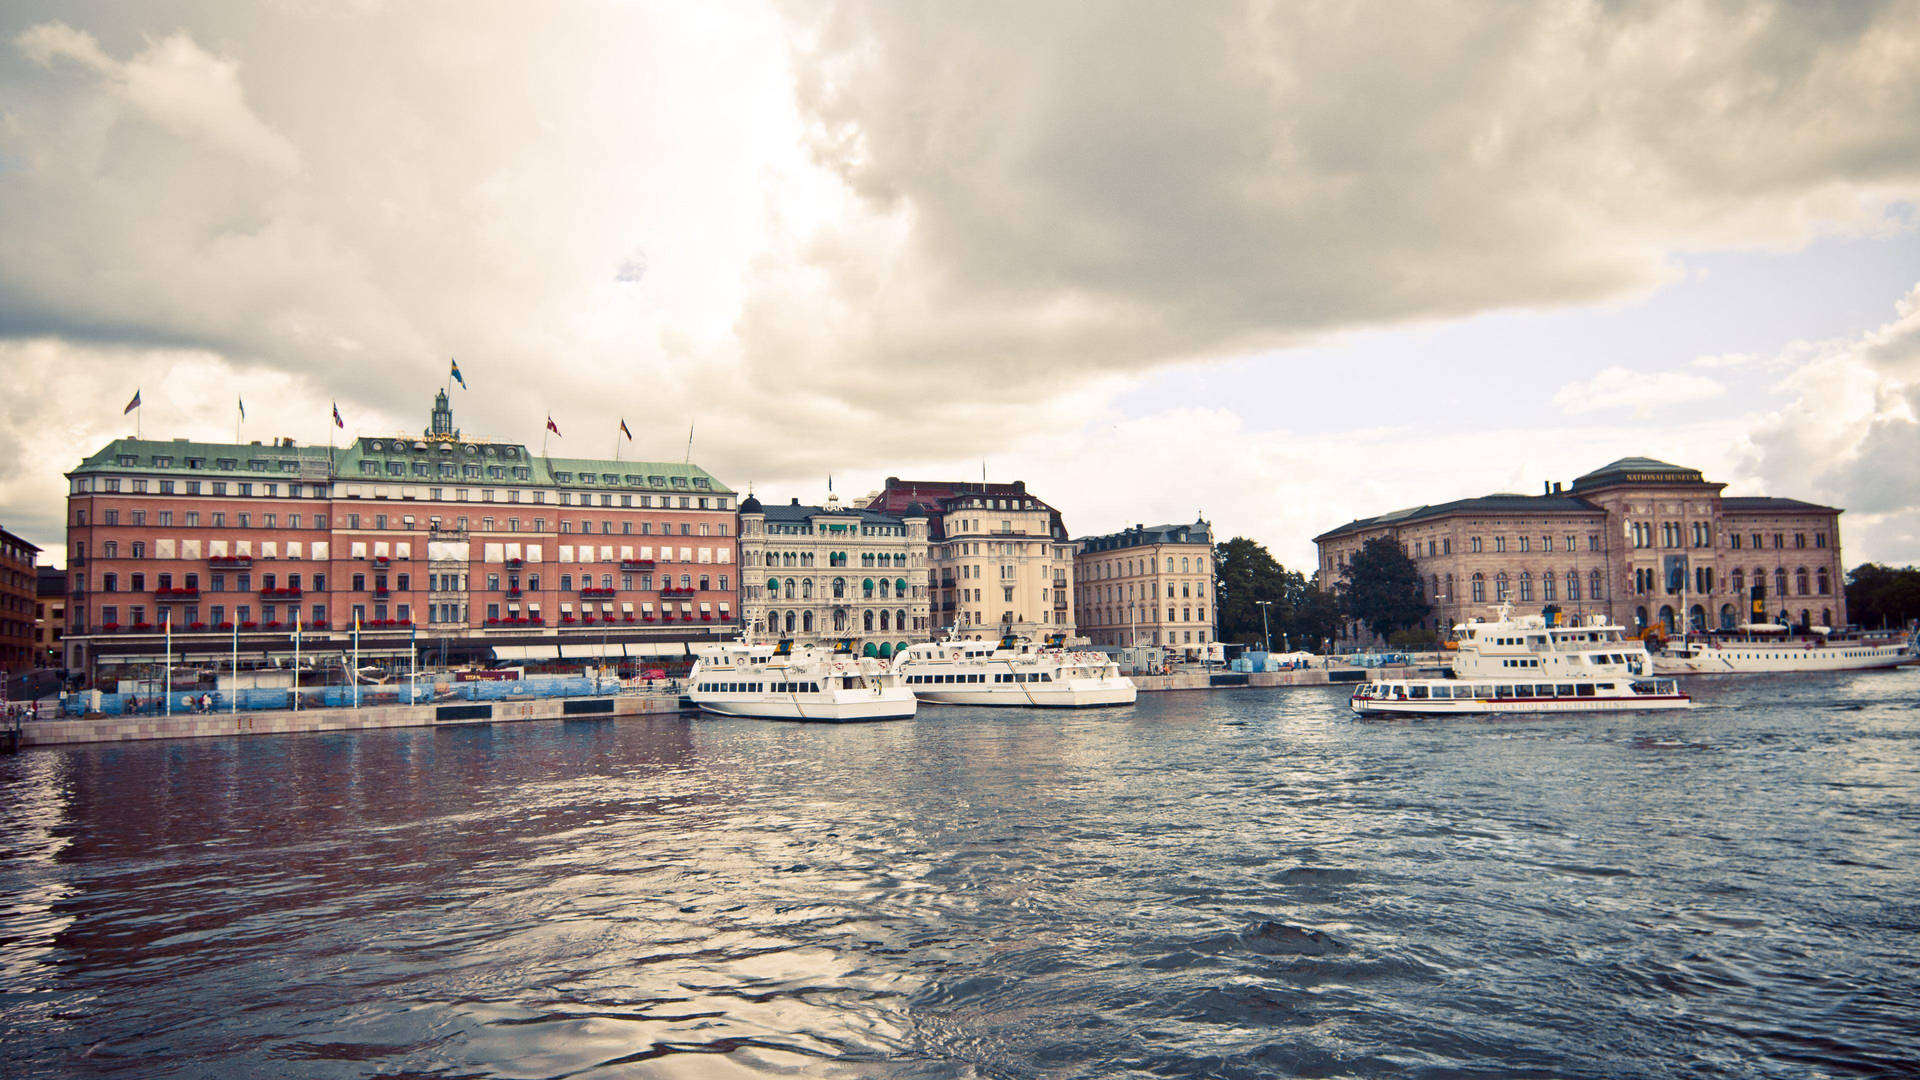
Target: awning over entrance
(526, 652)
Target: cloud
(911, 234)
(1849, 433)
(1642, 392)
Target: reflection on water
(1235, 884)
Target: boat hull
(1775, 659)
(1102, 693)
(1522, 706)
(894, 704)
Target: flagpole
(689, 456)
(167, 696)
(296, 658)
(356, 660)
(234, 697)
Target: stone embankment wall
(132, 728)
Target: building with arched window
(863, 572)
(1638, 541)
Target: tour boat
(1769, 647)
(1524, 665)
(1012, 671)
(781, 681)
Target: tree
(1380, 587)
(1883, 596)
(1244, 574)
(1316, 618)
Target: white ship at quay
(1012, 671)
(1522, 665)
(1758, 648)
(782, 681)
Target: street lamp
(1265, 634)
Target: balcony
(678, 592)
(513, 593)
(168, 596)
(1059, 605)
(593, 593)
(382, 591)
(291, 592)
(636, 566)
(231, 562)
(516, 564)
(382, 560)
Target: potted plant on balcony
(111, 628)
(196, 626)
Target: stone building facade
(821, 573)
(1644, 543)
(471, 543)
(999, 559)
(50, 617)
(1148, 585)
(19, 584)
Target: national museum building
(1642, 542)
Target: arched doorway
(1667, 618)
(1726, 616)
(1640, 617)
(1697, 618)
(806, 622)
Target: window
(1499, 543)
(1479, 586)
(1474, 543)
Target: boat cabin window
(1417, 692)
(1563, 690)
(1503, 691)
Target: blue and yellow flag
(456, 373)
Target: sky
(1277, 265)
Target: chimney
(1546, 487)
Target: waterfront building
(479, 549)
(999, 560)
(1148, 585)
(18, 585)
(821, 573)
(1642, 542)
(49, 616)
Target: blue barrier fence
(334, 697)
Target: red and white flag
(553, 427)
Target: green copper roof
(241, 460)
(1638, 470)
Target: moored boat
(1012, 671)
(781, 681)
(1759, 648)
(1525, 665)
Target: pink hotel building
(471, 547)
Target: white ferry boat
(778, 681)
(1012, 671)
(1769, 647)
(1522, 665)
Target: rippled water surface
(1245, 883)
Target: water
(1235, 884)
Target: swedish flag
(456, 373)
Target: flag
(456, 373)
(553, 427)
(624, 431)
(132, 405)
(243, 407)
(337, 422)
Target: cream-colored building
(999, 560)
(821, 573)
(1148, 585)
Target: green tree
(1381, 588)
(1245, 573)
(1883, 596)
(1316, 618)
